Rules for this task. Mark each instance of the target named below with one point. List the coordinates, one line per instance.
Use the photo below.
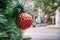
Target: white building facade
(58, 17)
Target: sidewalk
(43, 33)
(53, 26)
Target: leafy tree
(49, 6)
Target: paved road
(43, 33)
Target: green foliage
(49, 6)
(9, 9)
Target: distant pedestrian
(45, 18)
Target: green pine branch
(9, 9)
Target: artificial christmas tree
(9, 10)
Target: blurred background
(44, 14)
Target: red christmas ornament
(24, 20)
